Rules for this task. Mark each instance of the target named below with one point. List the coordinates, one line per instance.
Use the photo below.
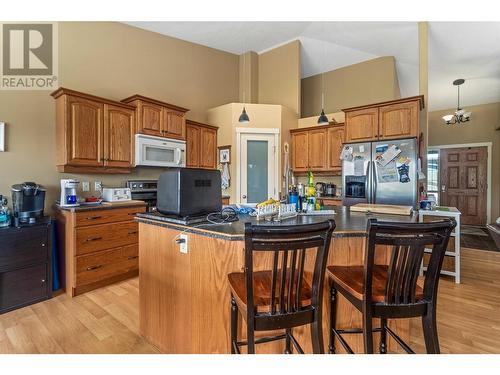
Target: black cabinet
(25, 265)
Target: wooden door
(463, 178)
(318, 150)
(150, 119)
(193, 145)
(175, 124)
(300, 146)
(399, 120)
(335, 140)
(118, 136)
(208, 153)
(85, 132)
(361, 125)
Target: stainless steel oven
(144, 190)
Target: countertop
(102, 206)
(348, 224)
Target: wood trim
(296, 130)
(420, 98)
(154, 101)
(65, 91)
(196, 123)
(92, 170)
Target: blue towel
(55, 258)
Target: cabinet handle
(43, 245)
(93, 217)
(93, 239)
(133, 232)
(43, 281)
(133, 257)
(91, 268)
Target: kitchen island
(185, 297)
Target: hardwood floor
(106, 320)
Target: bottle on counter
(4, 212)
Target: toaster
(116, 194)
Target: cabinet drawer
(106, 236)
(94, 217)
(104, 264)
(23, 246)
(23, 286)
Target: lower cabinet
(100, 246)
(201, 145)
(25, 265)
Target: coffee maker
(28, 201)
(68, 193)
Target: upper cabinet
(158, 118)
(201, 145)
(388, 120)
(317, 149)
(93, 134)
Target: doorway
(257, 169)
(463, 182)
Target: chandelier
(460, 115)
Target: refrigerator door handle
(374, 179)
(367, 182)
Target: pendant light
(244, 119)
(460, 115)
(323, 119)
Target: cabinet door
(24, 246)
(193, 145)
(150, 119)
(118, 137)
(85, 132)
(335, 139)
(399, 120)
(300, 146)
(361, 125)
(318, 150)
(208, 154)
(175, 124)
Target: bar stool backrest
(408, 241)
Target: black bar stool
(286, 296)
(391, 292)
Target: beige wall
(279, 76)
(367, 82)
(115, 61)
(481, 128)
(249, 78)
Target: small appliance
(159, 152)
(119, 194)
(68, 196)
(144, 190)
(331, 190)
(28, 201)
(188, 192)
(320, 189)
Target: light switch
(85, 186)
(97, 186)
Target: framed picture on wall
(224, 154)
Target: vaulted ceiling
(469, 50)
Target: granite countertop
(348, 224)
(102, 206)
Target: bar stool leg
(288, 342)
(250, 338)
(367, 331)
(317, 336)
(430, 332)
(234, 325)
(333, 318)
(383, 336)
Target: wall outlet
(184, 243)
(97, 186)
(85, 186)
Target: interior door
(257, 168)
(119, 136)
(463, 180)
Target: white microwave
(159, 152)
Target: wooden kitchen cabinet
(157, 118)
(317, 148)
(100, 245)
(201, 145)
(93, 134)
(387, 120)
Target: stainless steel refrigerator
(382, 172)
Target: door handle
(178, 156)
(94, 217)
(367, 192)
(374, 192)
(133, 257)
(244, 196)
(443, 188)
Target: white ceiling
(469, 50)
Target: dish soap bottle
(4, 212)
(311, 193)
